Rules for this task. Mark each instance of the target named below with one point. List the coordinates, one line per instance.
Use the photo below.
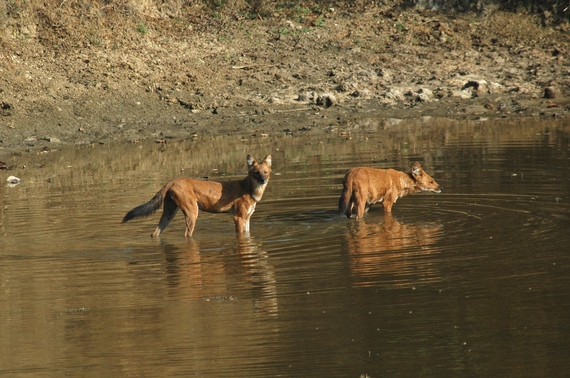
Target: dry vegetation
(81, 71)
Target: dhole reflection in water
(201, 275)
(392, 253)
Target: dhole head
(259, 171)
(424, 181)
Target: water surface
(474, 281)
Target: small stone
(362, 93)
(425, 95)
(346, 87)
(549, 92)
(394, 94)
(13, 180)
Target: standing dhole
(192, 195)
(364, 187)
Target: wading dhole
(363, 187)
(191, 195)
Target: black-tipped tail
(145, 209)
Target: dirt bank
(164, 77)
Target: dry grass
(66, 23)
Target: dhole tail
(148, 208)
(344, 202)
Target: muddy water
(472, 282)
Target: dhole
(192, 195)
(364, 187)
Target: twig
(252, 66)
(293, 110)
(428, 21)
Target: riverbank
(160, 77)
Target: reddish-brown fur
(191, 195)
(364, 187)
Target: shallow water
(474, 281)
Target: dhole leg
(246, 225)
(190, 224)
(169, 211)
(240, 224)
(242, 216)
(349, 208)
(387, 203)
(389, 200)
(189, 206)
(191, 217)
(361, 208)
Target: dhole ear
(250, 161)
(416, 169)
(267, 160)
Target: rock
(480, 86)
(394, 95)
(13, 180)
(274, 100)
(327, 100)
(549, 92)
(346, 86)
(306, 96)
(463, 94)
(495, 87)
(363, 93)
(302, 97)
(425, 95)
(5, 108)
(385, 74)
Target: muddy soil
(175, 79)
